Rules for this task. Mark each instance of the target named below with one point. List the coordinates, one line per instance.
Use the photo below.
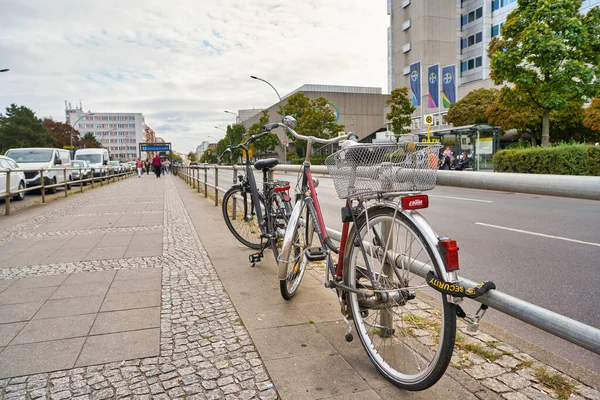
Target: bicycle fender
(237, 186)
(286, 247)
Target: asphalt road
(542, 249)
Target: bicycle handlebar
(244, 145)
(315, 139)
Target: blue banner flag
(448, 85)
(433, 97)
(415, 83)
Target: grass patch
(310, 321)
(562, 388)
(207, 337)
(421, 323)
(522, 365)
(480, 350)
(238, 321)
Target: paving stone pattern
(204, 351)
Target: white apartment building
(446, 32)
(120, 133)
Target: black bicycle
(257, 219)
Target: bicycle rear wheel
(407, 328)
(240, 217)
(295, 259)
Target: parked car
(17, 179)
(41, 158)
(97, 158)
(86, 171)
(115, 166)
(132, 165)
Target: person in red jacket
(157, 164)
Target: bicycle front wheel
(240, 217)
(407, 328)
(295, 258)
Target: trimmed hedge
(564, 159)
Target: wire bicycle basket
(372, 169)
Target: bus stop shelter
(481, 141)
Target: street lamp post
(282, 108)
(75, 123)
(237, 117)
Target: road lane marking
(538, 234)
(461, 198)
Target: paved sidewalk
(109, 294)
(138, 290)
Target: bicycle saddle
(266, 164)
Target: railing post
(206, 182)
(7, 199)
(43, 182)
(80, 181)
(198, 180)
(93, 177)
(66, 182)
(216, 185)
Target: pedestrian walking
(147, 165)
(157, 165)
(138, 164)
(167, 165)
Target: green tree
(550, 53)
(566, 125)
(315, 118)
(89, 142)
(401, 109)
(191, 156)
(61, 133)
(21, 128)
(592, 116)
(268, 142)
(471, 109)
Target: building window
(478, 37)
(405, 49)
(471, 40)
(463, 43)
(495, 30)
(463, 20)
(471, 63)
(471, 16)
(477, 62)
(405, 3)
(463, 66)
(495, 5)
(406, 25)
(479, 13)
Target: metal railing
(566, 328)
(105, 175)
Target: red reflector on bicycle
(282, 188)
(287, 198)
(450, 254)
(415, 202)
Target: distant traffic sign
(429, 119)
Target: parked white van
(97, 158)
(38, 158)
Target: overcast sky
(183, 62)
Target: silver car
(84, 167)
(17, 179)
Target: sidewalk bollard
(66, 182)
(216, 185)
(43, 182)
(205, 182)
(7, 199)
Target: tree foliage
(550, 53)
(21, 128)
(401, 110)
(510, 111)
(592, 116)
(267, 143)
(471, 109)
(61, 133)
(315, 118)
(191, 156)
(88, 142)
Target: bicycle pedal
(315, 254)
(254, 258)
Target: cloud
(183, 62)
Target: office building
(448, 33)
(120, 133)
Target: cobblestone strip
(205, 351)
(27, 235)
